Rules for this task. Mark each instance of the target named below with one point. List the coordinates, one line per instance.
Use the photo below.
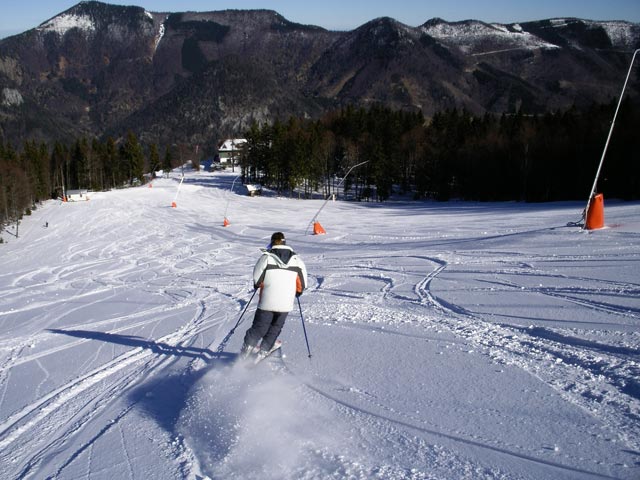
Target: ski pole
(233, 330)
(245, 310)
(306, 339)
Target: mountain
(192, 77)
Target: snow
(11, 97)
(159, 36)
(65, 22)
(449, 340)
(621, 34)
(160, 33)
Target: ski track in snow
(535, 349)
(114, 358)
(58, 402)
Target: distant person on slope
(281, 275)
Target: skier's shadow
(162, 397)
(134, 341)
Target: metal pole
(229, 199)
(606, 145)
(328, 197)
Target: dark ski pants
(266, 327)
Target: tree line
(532, 158)
(455, 154)
(40, 172)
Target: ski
(261, 356)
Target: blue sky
(19, 15)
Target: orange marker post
(595, 213)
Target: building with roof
(230, 149)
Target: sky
(17, 16)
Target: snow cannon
(317, 229)
(595, 213)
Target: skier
(281, 275)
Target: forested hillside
(455, 155)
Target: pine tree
(154, 158)
(167, 163)
(132, 158)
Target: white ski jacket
(279, 273)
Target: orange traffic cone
(317, 229)
(226, 222)
(595, 214)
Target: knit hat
(278, 237)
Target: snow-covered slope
(448, 341)
(474, 37)
(61, 24)
(622, 34)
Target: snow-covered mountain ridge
(471, 35)
(475, 37)
(65, 22)
(465, 33)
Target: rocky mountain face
(194, 77)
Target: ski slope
(448, 340)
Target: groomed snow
(448, 340)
